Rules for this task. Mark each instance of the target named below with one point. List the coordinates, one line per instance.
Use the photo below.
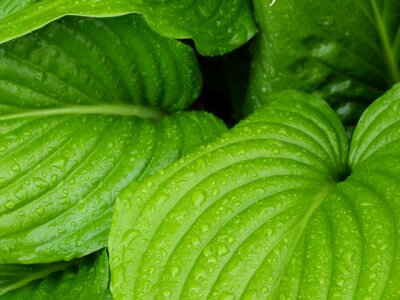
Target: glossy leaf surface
(342, 51)
(269, 211)
(87, 278)
(83, 107)
(216, 26)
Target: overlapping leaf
(83, 107)
(216, 26)
(342, 51)
(87, 278)
(269, 211)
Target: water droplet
(175, 271)
(40, 76)
(54, 178)
(226, 295)
(204, 228)
(130, 236)
(10, 204)
(198, 198)
(195, 241)
(16, 167)
(222, 250)
(61, 230)
(211, 260)
(39, 182)
(167, 293)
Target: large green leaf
(216, 26)
(83, 107)
(84, 279)
(269, 211)
(79, 61)
(342, 51)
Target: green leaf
(341, 51)
(83, 107)
(87, 278)
(377, 133)
(215, 26)
(268, 211)
(117, 61)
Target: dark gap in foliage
(225, 81)
(214, 95)
(343, 176)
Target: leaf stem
(120, 110)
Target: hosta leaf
(266, 212)
(342, 51)
(98, 61)
(78, 122)
(378, 131)
(87, 278)
(217, 217)
(216, 26)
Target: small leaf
(216, 26)
(268, 211)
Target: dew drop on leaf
(226, 295)
(174, 271)
(40, 210)
(198, 198)
(39, 182)
(230, 239)
(204, 228)
(10, 204)
(222, 250)
(16, 167)
(130, 235)
(166, 293)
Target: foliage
(114, 185)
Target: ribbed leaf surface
(264, 213)
(79, 61)
(216, 26)
(78, 123)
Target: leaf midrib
(62, 266)
(144, 112)
(297, 230)
(387, 47)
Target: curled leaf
(216, 26)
